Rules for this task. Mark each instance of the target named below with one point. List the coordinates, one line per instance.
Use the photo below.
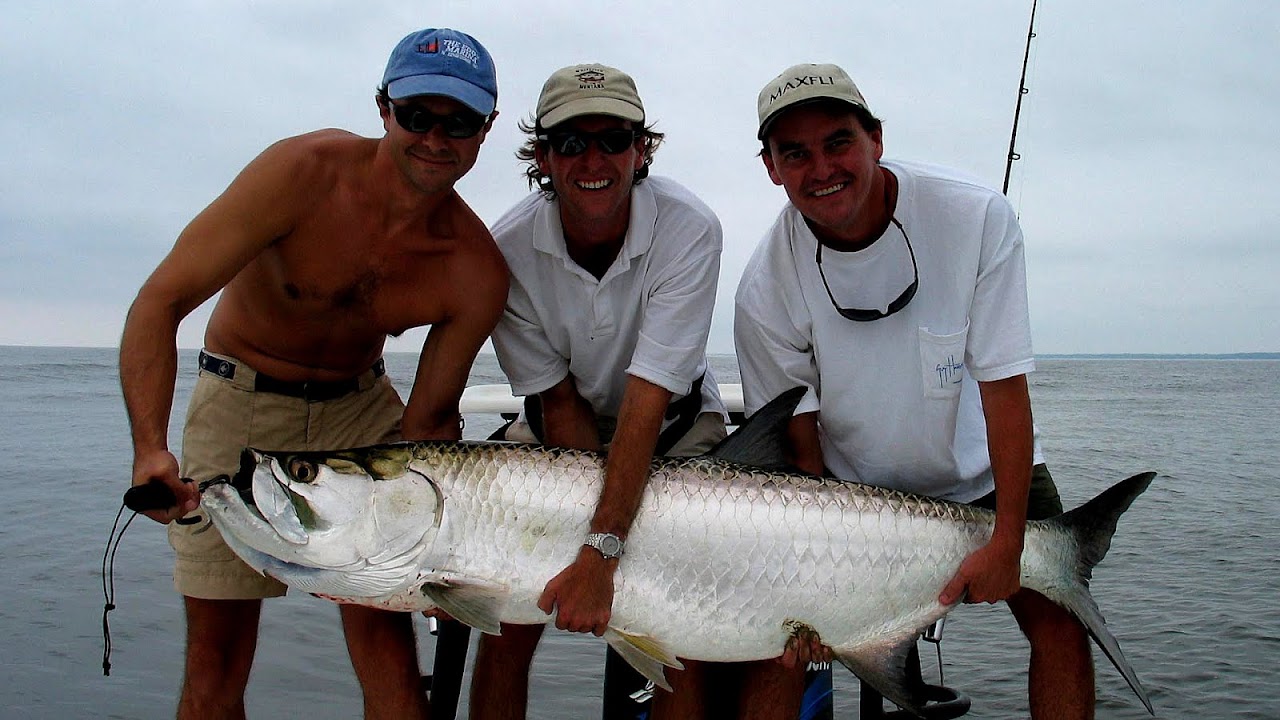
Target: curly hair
(541, 182)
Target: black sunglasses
(570, 143)
(861, 315)
(459, 125)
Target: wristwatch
(609, 545)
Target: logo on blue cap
(443, 62)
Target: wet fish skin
(721, 560)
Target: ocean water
(1191, 586)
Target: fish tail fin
(1091, 526)
(1093, 523)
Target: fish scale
(721, 560)
(779, 559)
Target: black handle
(155, 495)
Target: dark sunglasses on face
(571, 143)
(870, 314)
(459, 125)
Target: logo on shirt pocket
(942, 362)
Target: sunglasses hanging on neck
(868, 315)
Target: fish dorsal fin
(474, 602)
(645, 654)
(761, 441)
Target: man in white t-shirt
(896, 293)
(613, 281)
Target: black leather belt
(309, 390)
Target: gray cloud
(1146, 190)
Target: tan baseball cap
(588, 89)
(805, 83)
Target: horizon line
(1257, 354)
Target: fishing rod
(1017, 111)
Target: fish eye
(303, 471)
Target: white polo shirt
(648, 316)
(897, 401)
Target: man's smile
(825, 191)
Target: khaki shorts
(1042, 498)
(226, 416)
(707, 430)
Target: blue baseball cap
(440, 61)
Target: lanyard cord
(152, 496)
(109, 583)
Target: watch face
(610, 545)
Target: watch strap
(607, 544)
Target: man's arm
(582, 594)
(479, 292)
(567, 418)
(992, 572)
(255, 209)
(774, 355)
(804, 449)
(148, 368)
(630, 455)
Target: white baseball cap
(805, 83)
(588, 89)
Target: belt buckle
(323, 391)
(319, 391)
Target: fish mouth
(242, 481)
(299, 498)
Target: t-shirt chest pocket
(942, 362)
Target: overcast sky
(1147, 188)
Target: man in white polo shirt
(896, 293)
(613, 282)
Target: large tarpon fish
(727, 557)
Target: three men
(896, 293)
(613, 282)
(323, 246)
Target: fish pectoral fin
(883, 666)
(645, 654)
(474, 602)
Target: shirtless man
(323, 246)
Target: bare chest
(355, 276)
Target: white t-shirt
(648, 316)
(897, 401)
